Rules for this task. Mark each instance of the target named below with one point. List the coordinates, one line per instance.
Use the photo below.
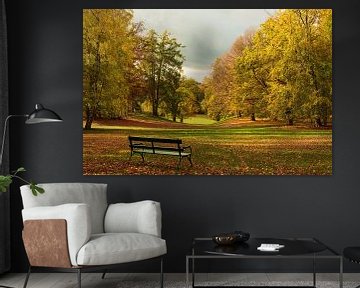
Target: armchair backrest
(92, 194)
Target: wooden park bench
(160, 146)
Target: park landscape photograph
(207, 92)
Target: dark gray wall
(45, 43)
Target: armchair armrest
(77, 217)
(138, 217)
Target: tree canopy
(281, 71)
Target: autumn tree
(185, 100)
(315, 46)
(194, 95)
(221, 93)
(136, 78)
(162, 66)
(252, 77)
(286, 70)
(283, 70)
(171, 99)
(108, 45)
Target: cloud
(196, 73)
(206, 33)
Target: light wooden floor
(113, 280)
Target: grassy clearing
(257, 149)
(199, 120)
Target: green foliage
(286, 70)
(20, 169)
(161, 67)
(283, 70)
(109, 41)
(123, 67)
(36, 189)
(185, 100)
(220, 87)
(6, 180)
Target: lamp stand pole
(4, 135)
(2, 151)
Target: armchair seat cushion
(113, 248)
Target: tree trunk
(155, 109)
(325, 121)
(174, 118)
(318, 122)
(89, 119)
(289, 117)
(252, 117)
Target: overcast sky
(206, 33)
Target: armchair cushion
(113, 248)
(138, 217)
(92, 194)
(78, 221)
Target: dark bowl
(225, 239)
(231, 238)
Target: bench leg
(189, 158)
(179, 163)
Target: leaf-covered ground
(234, 147)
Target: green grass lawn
(199, 120)
(217, 150)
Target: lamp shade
(42, 115)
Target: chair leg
(161, 273)
(79, 277)
(27, 277)
(103, 275)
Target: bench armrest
(187, 147)
(138, 217)
(77, 218)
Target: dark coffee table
(294, 248)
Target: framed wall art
(207, 92)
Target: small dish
(225, 239)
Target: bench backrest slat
(154, 140)
(167, 148)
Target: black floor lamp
(39, 115)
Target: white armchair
(72, 228)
